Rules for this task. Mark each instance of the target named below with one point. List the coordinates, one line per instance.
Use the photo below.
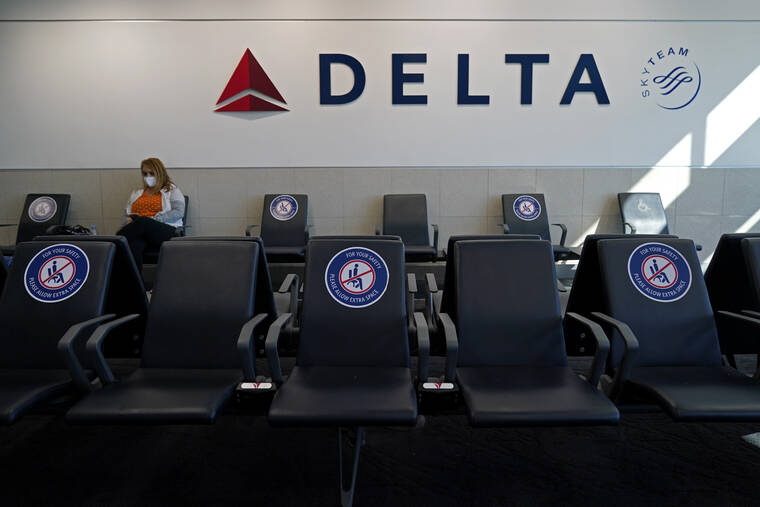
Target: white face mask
(150, 180)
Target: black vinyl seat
(126, 295)
(3, 273)
(511, 363)
(201, 312)
(585, 296)
(40, 212)
(353, 366)
(405, 215)
(40, 341)
(532, 220)
(665, 343)
(284, 226)
(728, 280)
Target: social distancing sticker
(42, 209)
(283, 207)
(56, 273)
(356, 277)
(659, 272)
(526, 207)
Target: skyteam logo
(356, 277)
(56, 273)
(42, 209)
(659, 272)
(526, 207)
(283, 207)
(671, 79)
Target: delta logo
(250, 89)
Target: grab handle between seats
(245, 346)
(66, 348)
(423, 347)
(564, 233)
(602, 347)
(273, 356)
(291, 284)
(631, 350)
(452, 346)
(95, 347)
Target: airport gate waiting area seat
(406, 216)
(353, 364)
(54, 297)
(126, 295)
(527, 214)
(40, 212)
(510, 361)
(201, 315)
(665, 343)
(643, 213)
(725, 280)
(585, 296)
(284, 226)
(150, 255)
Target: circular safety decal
(56, 273)
(526, 207)
(283, 207)
(356, 277)
(659, 272)
(42, 209)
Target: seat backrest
(526, 214)
(264, 293)
(203, 294)
(126, 295)
(184, 215)
(751, 250)
(51, 286)
(405, 215)
(3, 273)
(40, 211)
(657, 288)
(354, 305)
(449, 296)
(723, 276)
(508, 309)
(284, 219)
(585, 296)
(644, 211)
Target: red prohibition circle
(668, 264)
(40, 275)
(362, 265)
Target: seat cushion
(21, 389)
(528, 395)
(345, 395)
(419, 253)
(700, 393)
(156, 395)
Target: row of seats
(213, 308)
(284, 225)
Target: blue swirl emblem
(673, 80)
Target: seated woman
(154, 211)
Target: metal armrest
(631, 349)
(8, 225)
(245, 346)
(564, 234)
(291, 284)
(423, 347)
(751, 313)
(746, 316)
(411, 290)
(66, 348)
(452, 345)
(432, 288)
(505, 227)
(250, 228)
(378, 231)
(435, 238)
(273, 356)
(633, 228)
(95, 347)
(602, 347)
(431, 283)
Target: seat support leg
(347, 495)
